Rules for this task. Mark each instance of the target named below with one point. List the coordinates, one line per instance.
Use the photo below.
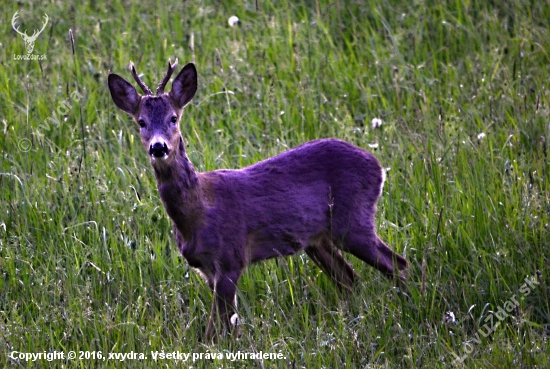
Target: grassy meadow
(87, 257)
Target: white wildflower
(481, 136)
(376, 122)
(233, 21)
(449, 318)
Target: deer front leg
(224, 305)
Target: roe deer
(319, 197)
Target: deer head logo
(29, 40)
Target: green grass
(87, 258)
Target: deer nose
(158, 149)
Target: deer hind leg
(224, 306)
(323, 253)
(365, 244)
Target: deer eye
(141, 123)
(174, 119)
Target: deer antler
(162, 84)
(13, 19)
(36, 33)
(143, 86)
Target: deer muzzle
(158, 150)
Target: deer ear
(124, 94)
(184, 86)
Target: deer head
(157, 115)
(29, 40)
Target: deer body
(280, 204)
(319, 197)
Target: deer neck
(180, 191)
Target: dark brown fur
(319, 197)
